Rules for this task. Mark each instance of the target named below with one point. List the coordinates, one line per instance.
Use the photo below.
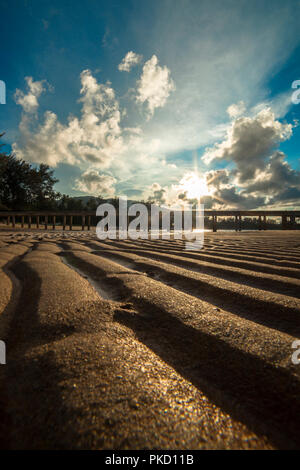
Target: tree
(23, 186)
(68, 203)
(94, 202)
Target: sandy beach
(142, 344)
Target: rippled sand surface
(143, 344)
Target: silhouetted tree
(92, 204)
(24, 187)
(68, 203)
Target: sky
(168, 100)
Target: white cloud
(155, 85)
(94, 183)
(236, 110)
(29, 101)
(95, 137)
(130, 60)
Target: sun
(194, 186)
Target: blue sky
(163, 122)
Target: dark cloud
(277, 176)
(249, 142)
(261, 175)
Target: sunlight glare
(195, 186)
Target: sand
(142, 344)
